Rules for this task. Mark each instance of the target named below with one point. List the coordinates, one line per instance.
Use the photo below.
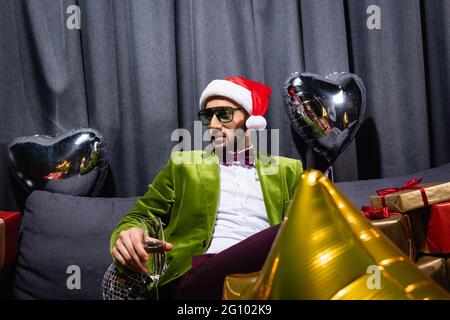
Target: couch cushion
(59, 231)
(358, 192)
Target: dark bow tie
(244, 157)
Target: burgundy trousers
(204, 281)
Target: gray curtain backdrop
(135, 71)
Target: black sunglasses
(224, 114)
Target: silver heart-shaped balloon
(74, 162)
(325, 111)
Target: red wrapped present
(9, 236)
(438, 235)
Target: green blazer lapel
(208, 170)
(271, 185)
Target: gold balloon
(325, 249)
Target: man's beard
(234, 141)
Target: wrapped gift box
(448, 271)
(404, 230)
(419, 223)
(9, 236)
(415, 196)
(436, 269)
(397, 228)
(431, 228)
(438, 233)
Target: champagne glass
(154, 247)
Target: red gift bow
(373, 214)
(410, 185)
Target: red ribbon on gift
(374, 214)
(410, 185)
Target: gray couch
(60, 230)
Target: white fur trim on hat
(256, 123)
(229, 90)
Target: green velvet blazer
(185, 194)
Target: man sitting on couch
(223, 207)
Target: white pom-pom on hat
(256, 123)
(250, 95)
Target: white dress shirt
(241, 212)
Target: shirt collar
(244, 157)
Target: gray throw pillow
(59, 234)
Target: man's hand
(129, 249)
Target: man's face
(224, 134)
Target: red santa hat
(250, 95)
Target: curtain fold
(136, 69)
